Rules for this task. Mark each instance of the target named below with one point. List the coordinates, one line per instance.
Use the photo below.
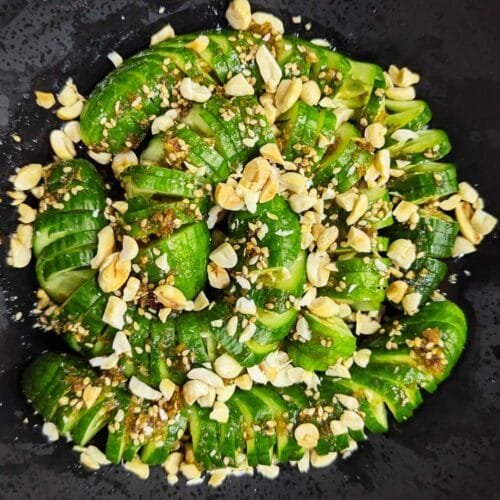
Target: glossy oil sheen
(450, 448)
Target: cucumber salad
(256, 281)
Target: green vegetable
(317, 372)
(430, 145)
(412, 115)
(186, 252)
(331, 340)
(434, 233)
(345, 161)
(65, 233)
(359, 282)
(426, 181)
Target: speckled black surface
(450, 449)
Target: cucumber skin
(283, 250)
(426, 182)
(65, 238)
(429, 274)
(444, 315)
(312, 355)
(344, 162)
(431, 145)
(434, 234)
(365, 283)
(187, 255)
(150, 180)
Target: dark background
(451, 447)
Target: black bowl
(450, 448)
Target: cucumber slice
(73, 185)
(60, 286)
(187, 255)
(434, 234)
(68, 242)
(376, 107)
(214, 56)
(255, 126)
(329, 68)
(331, 340)
(278, 285)
(430, 145)
(162, 357)
(205, 437)
(231, 56)
(425, 275)
(62, 274)
(50, 377)
(115, 94)
(272, 326)
(345, 161)
(299, 126)
(51, 226)
(79, 302)
(402, 359)
(327, 124)
(402, 377)
(160, 219)
(153, 153)
(82, 333)
(73, 172)
(440, 322)
(150, 180)
(166, 435)
(197, 331)
(202, 155)
(413, 115)
(330, 441)
(38, 375)
(202, 121)
(231, 439)
(287, 447)
(259, 445)
(283, 236)
(95, 418)
(192, 329)
(117, 430)
(131, 425)
(64, 199)
(370, 403)
(394, 395)
(222, 109)
(246, 45)
(359, 282)
(293, 62)
(139, 341)
(357, 88)
(426, 182)
(111, 101)
(379, 213)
